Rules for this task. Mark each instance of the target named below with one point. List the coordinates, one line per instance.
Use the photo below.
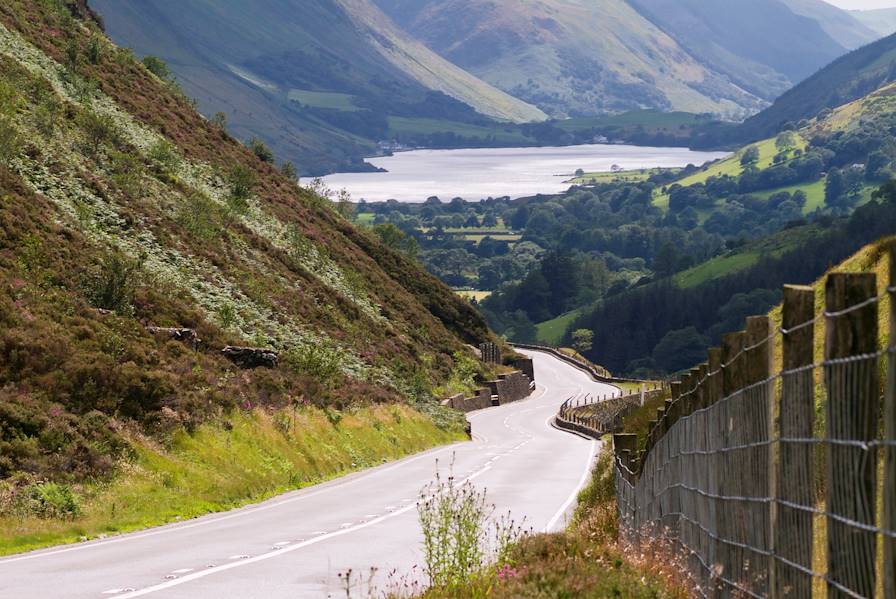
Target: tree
(289, 171)
(582, 340)
(261, 150)
(877, 167)
(751, 156)
(680, 349)
(390, 235)
(242, 182)
(834, 187)
(520, 218)
(157, 67)
(220, 120)
(785, 141)
(665, 263)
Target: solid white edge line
(575, 494)
(288, 549)
(214, 518)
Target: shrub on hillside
(53, 500)
(261, 150)
(111, 285)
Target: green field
(551, 332)
(365, 218)
(473, 295)
(505, 134)
(718, 266)
(731, 166)
(745, 257)
(633, 176)
(814, 194)
(477, 239)
(332, 100)
(649, 119)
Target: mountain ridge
(248, 62)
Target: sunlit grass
(215, 469)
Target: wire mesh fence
(773, 466)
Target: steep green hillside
(263, 62)
(570, 57)
(849, 78)
(122, 209)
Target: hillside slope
(764, 46)
(883, 20)
(569, 57)
(848, 78)
(121, 208)
(573, 57)
(275, 66)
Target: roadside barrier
(599, 416)
(773, 465)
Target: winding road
(296, 545)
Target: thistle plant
(461, 532)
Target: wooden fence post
(796, 480)
(889, 522)
(713, 463)
(703, 389)
(758, 405)
(852, 415)
(714, 390)
(721, 425)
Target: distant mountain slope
(764, 46)
(882, 21)
(270, 65)
(842, 25)
(846, 79)
(570, 57)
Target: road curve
(297, 544)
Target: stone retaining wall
(508, 388)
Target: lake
(516, 172)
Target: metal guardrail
(588, 368)
(599, 416)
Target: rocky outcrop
(186, 336)
(251, 357)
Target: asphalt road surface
(298, 544)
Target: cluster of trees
(667, 328)
(593, 245)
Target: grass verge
(253, 456)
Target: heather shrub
(111, 285)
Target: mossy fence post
(852, 416)
(796, 480)
(889, 514)
(757, 412)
